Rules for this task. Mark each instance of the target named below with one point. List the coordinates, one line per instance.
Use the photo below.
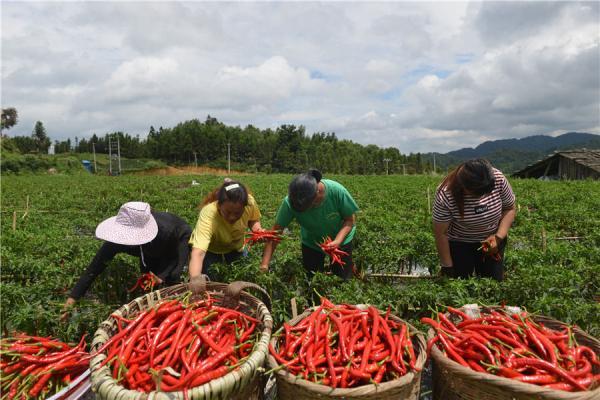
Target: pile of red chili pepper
(344, 346)
(335, 254)
(35, 367)
(178, 345)
(146, 282)
(261, 236)
(515, 346)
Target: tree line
(286, 149)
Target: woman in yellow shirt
(219, 233)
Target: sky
(419, 76)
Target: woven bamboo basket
(245, 382)
(452, 381)
(291, 387)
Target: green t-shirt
(324, 220)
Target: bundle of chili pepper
(335, 254)
(344, 346)
(260, 236)
(178, 345)
(146, 282)
(515, 346)
(486, 248)
(35, 367)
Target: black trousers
(467, 259)
(314, 261)
(212, 258)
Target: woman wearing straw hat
(159, 239)
(323, 208)
(218, 237)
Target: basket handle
(232, 294)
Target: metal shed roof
(587, 158)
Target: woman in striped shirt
(474, 204)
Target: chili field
(48, 224)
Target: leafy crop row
(53, 242)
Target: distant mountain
(510, 155)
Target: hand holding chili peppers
(146, 282)
(489, 247)
(261, 236)
(330, 248)
(515, 346)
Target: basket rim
(256, 357)
(503, 382)
(328, 390)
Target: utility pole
(434, 163)
(386, 161)
(119, 154)
(228, 158)
(112, 146)
(94, 151)
(195, 160)
(403, 169)
(109, 156)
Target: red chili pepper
(260, 236)
(146, 282)
(335, 253)
(545, 365)
(452, 352)
(458, 312)
(380, 373)
(39, 385)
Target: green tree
(9, 117)
(40, 137)
(25, 144)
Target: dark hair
(221, 194)
(303, 189)
(475, 176)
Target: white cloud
(141, 77)
(273, 80)
(421, 76)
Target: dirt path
(170, 171)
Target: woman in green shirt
(323, 208)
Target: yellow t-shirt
(212, 233)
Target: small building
(566, 164)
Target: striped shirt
(481, 214)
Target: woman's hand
(270, 247)
(334, 244)
(447, 271)
(67, 309)
(255, 226)
(492, 244)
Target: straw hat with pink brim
(134, 225)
